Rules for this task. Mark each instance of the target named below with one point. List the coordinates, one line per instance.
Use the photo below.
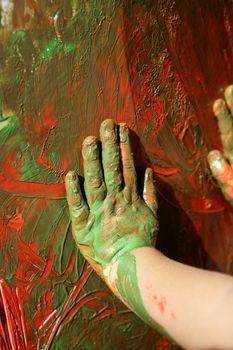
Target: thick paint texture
(116, 220)
(66, 65)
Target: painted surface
(64, 67)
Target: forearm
(193, 306)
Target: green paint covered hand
(115, 220)
(221, 164)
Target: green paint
(111, 155)
(36, 66)
(113, 229)
(9, 277)
(110, 229)
(94, 185)
(69, 48)
(59, 344)
(6, 132)
(215, 160)
(52, 48)
(16, 38)
(128, 290)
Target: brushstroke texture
(64, 67)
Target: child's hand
(115, 220)
(221, 164)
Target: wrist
(110, 270)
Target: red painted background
(66, 66)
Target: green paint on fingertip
(124, 133)
(216, 163)
(108, 130)
(90, 151)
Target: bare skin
(114, 231)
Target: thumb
(149, 191)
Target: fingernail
(90, 148)
(219, 107)
(124, 132)
(149, 176)
(108, 130)
(216, 162)
(229, 95)
(72, 178)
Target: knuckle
(95, 182)
(78, 211)
(90, 149)
(128, 164)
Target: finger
(94, 184)
(129, 172)
(229, 98)
(149, 191)
(78, 208)
(111, 156)
(222, 172)
(225, 127)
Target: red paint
(165, 94)
(8, 168)
(173, 315)
(44, 310)
(32, 189)
(67, 310)
(103, 314)
(13, 330)
(163, 342)
(16, 221)
(49, 116)
(162, 305)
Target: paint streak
(31, 189)
(162, 305)
(66, 66)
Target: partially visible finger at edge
(149, 191)
(223, 173)
(229, 97)
(228, 192)
(220, 168)
(220, 108)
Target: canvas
(66, 65)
